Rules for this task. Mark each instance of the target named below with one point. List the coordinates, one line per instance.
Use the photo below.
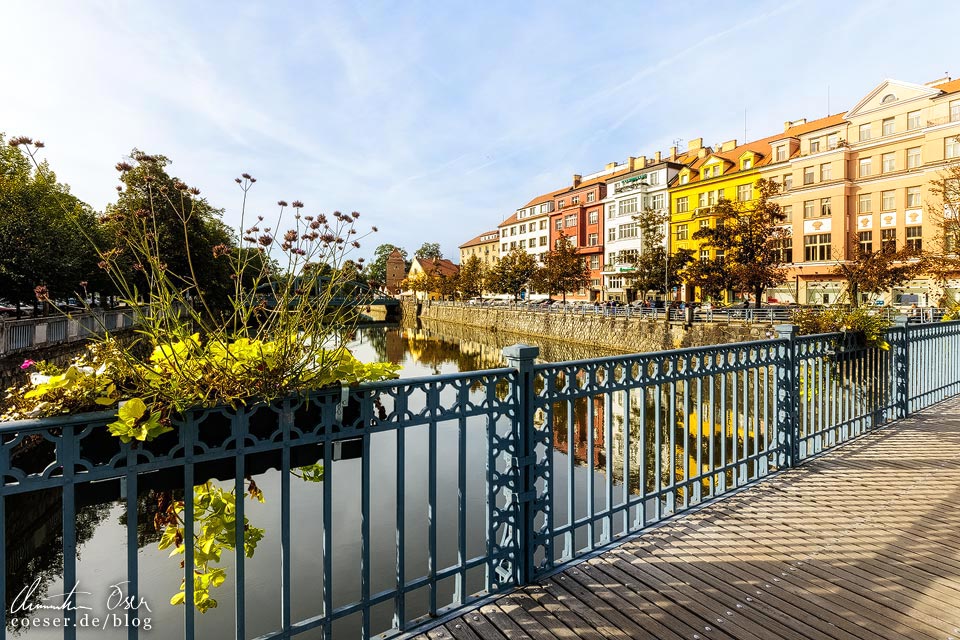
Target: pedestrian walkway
(863, 543)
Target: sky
(434, 120)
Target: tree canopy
(471, 276)
(876, 271)
(428, 251)
(512, 273)
(376, 271)
(563, 270)
(651, 262)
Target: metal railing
(478, 482)
(34, 333)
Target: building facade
(396, 272)
(486, 246)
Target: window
(593, 217)
(591, 196)
(523, 228)
(865, 165)
(543, 241)
(913, 196)
(888, 200)
(718, 255)
(513, 244)
(746, 164)
(570, 221)
(616, 283)
(783, 250)
(913, 158)
(888, 126)
(808, 175)
(704, 224)
(612, 234)
(704, 255)
(913, 120)
(575, 200)
(954, 110)
(743, 192)
(888, 240)
(545, 207)
(683, 204)
(788, 182)
(815, 145)
(865, 238)
(685, 178)
(656, 202)
(864, 132)
(543, 225)
(720, 195)
(682, 232)
(809, 209)
(889, 162)
(611, 210)
(951, 148)
(825, 171)
(594, 262)
(781, 153)
(627, 231)
(915, 238)
(513, 231)
(523, 244)
(825, 206)
(592, 240)
(864, 203)
(561, 204)
(787, 211)
(628, 206)
(702, 200)
(654, 178)
(503, 247)
(816, 248)
(559, 224)
(832, 141)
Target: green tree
(470, 278)
(943, 250)
(171, 219)
(876, 271)
(514, 271)
(428, 251)
(563, 270)
(710, 276)
(748, 233)
(376, 271)
(651, 263)
(42, 233)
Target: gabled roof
(441, 267)
(508, 221)
(477, 240)
(951, 86)
(909, 90)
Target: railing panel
(933, 371)
(631, 440)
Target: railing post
(901, 367)
(521, 357)
(788, 400)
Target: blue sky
(435, 120)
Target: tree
(428, 251)
(943, 252)
(748, 233)
(46, 234)
(170, 220)
(876, 271)
(651, 263)
(512, 273)
(470, 278)
(563, 270)
(710, 276)
(377, 270)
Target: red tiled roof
(949, 87)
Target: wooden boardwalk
(861, 543)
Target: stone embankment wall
(627, 335)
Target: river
(34, 521)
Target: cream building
(865, 176)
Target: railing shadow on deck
(438, 492)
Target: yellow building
(486, 246)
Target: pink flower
(27, 364)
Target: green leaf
(132, 410)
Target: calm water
(34, 522)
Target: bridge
(798, 487)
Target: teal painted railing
(485, 480)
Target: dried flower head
(281, 203)
(374, 229)
(221, 250)
(265, 240)
(355, 244)
(246, 176)
(193, 191)
(291, 236)
(124, 166)
(180, 185)
(355, 215)
(38, 144)
(42, 293)
(297, 204)
(238, 180)
(19, 140)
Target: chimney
(576, 180)
(793, 123)
(656, 157)
(641, 162)
(610, 165)
(673, 153)
(729, 145)
(631, 163)
(696, 143)
(701, 153)
(934, 83)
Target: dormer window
(684, 178)
(746, 164)
(815, 145)
(561, 204)
(575, 200)
(781, 153)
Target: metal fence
(34, 333)
(484, 480)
